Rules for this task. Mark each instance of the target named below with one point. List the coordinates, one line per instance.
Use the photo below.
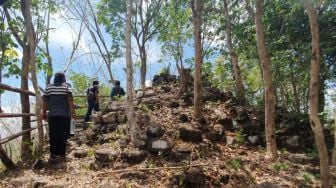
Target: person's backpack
(90, 95)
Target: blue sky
(61, 40)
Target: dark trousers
(92, 105)
(59, 128)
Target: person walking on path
(92, 100)
(117, 90)
(58, 101)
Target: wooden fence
(4, 158)
(11, 115)
(7, 161)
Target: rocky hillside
(224, 149)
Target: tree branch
(12, 28)
(249, 8)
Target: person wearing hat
(58, 101)
(92, 100)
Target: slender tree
(269, 92)
(177, 32)
(234, 59)
(22, 29)
(26, 152)
(75, 45)
(84, 12)
(333, 156)
(129, 101)
(315, 122)
(144, 28)
(32, 43)
(196, 7)
(46, 43)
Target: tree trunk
(333, 156)
(108, 67)
(134, 130)
(184, 79)
(184, 74)
(321, 94)
(24, 98)
(315, 122)
(271, 152)
(48, 80)
(296, 96)
(197, 16)
(143, 66)
(6, 160)
(26, 152)
(240, 91)
(32, 45)
(49, 60)
(0, 83)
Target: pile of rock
(113, 113)
(164, 79)
(226, 116)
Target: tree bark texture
(197, 22)
(315, 122)
(143, 65)
(49, 60)
(26, 152)
(333, 156)
(0, 83)
(184, 80)
(129, 100)
(97, 34)
(240, 91)
(271, 147)
(184, 74)
(31, 42)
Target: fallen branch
(155, 169)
